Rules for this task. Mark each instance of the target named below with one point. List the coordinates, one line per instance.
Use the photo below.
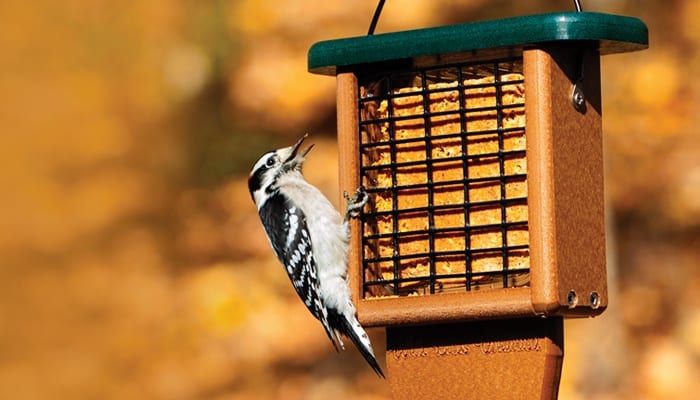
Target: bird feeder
(480, 147)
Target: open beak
(294, 156)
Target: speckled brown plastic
(501, 359)
(565, 182)
(565, 202)
(506, 343)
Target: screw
(594, 299)
(572, 299)
(578, 99)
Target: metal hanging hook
(578, 97)
(375, 17)
(380, 6)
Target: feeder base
(502, 359)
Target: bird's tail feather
(353, 330)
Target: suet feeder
(480, 147)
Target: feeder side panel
(537, 66)
(566, 181)
(578, 182)
(348, 148)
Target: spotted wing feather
(291, 242)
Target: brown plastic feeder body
(500, 336)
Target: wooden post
(501, 359)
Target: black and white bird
(311, 239)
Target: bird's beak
(295, 157)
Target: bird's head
(266, 172)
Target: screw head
(578, 98)
(572, 298)
(594, 299)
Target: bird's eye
(270, 162)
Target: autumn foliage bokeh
(132, 263)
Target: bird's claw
(355, 203)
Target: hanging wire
(380, 5)
(375, 17)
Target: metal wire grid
(391, 274)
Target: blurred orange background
(132, 261)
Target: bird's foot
(355, 203)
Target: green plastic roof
(615, 33)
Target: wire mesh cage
(480, 148)
(442, 155)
